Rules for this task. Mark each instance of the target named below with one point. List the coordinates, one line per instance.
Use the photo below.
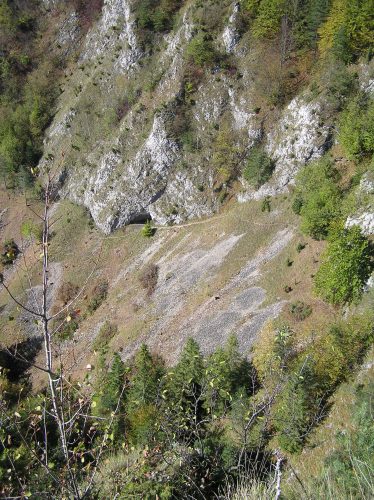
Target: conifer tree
(226, 372)
(111, 397)
(142, 395)
(183, 396)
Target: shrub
(201, 51)
(105, 335)
(300, 310)
(31, 230)
(356, 127)
(148, 231)
(142, 396)
(338, 351)
(149, 278)
(9, 252)
(297, 204)
(268, 16)
(225, 157)
(300, 247)
(350, 465)
(345, 268)
(291, 416)
(317, 198)
(347, 31)
(156, 16)
(259, 167)
(67, 292)
(66, 332)
(99, 294)
(338, 82)
(266, 204)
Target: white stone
(115, 28)
(230, 35)
(365, 221)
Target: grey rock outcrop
(298, 137)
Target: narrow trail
(189, 224)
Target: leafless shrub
(67, 292)
(98, 295)
(149, 278)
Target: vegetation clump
(67, 292)
(31, 230)
(259, 167)
(149, 278)
(9, 252)
(201, 51)
(317, 198)
(155, 16)
(346, 267)
(300, 310)
(356, 127)
(98, 295)
(106, 333)
(147, 230)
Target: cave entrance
(141, 218)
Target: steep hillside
(187, 252)
(155, 125)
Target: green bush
(105, 335)
(348, 29)
(31, 230)
(147, 230)
(268, 16)
(337, 82)
(291, 416)
(27, 92)
(226, 154)
(317, 198)
(346, 266)
(266, 204)
(356, 127)
(201, 51)
(67, 330)
(300, 310)
(351, 464)
(300, 247)
(259, 167)
(156, 16)
(142, 395)
(297, 203)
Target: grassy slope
(83, 252)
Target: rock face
(364, 216)
(231, 36)
(116, 201)
(299, 136)
(137, 123)
(114, 31)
